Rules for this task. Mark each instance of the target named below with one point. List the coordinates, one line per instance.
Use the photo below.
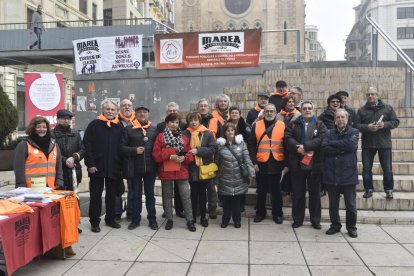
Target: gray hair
(307, 102)
(270, 104)
(106, 102)
(203, 100)
(222, 96)
(173, 105)
(342, 110)
(372, 89)
(298, 89)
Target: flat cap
(263, 94)
(64, 113)
(142, 107)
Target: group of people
(214, 155)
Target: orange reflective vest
(266, 145)
(37, 165)
(217, 115)
(212, 126)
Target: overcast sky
(334, 19)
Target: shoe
(352, 233)
(224, 224)
(95, 228)
(367, 194)
(258, 219)
(190, 226)
(118, 218)
(169, 224)
(242, 209)
(317, 226)
(79, 231)
(389, 195)
(204, 222)
(180, 214)
(129, 218)
(133, 225)
(212, 215)
(296, 225)
(113, 224)
(153, 225)
(237, 225)
(30, 47)
(163, 215)
(332, 231)
(69, 253)
(278, 220)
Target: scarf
(285, 113)
(302, 127)
(174, 140)
(127, 119)
(137, 124)
(258, 108)
(108, 122)
(281, 94)
(42, 142)
(221, 115)
(195, 141)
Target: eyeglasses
(307, 108)
(335, 101)
(370, 94)
(127, 105)
(269, 111)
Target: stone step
(398, 168)
(397, 156)
(402, 183)
(399, 144)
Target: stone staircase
(318, 84)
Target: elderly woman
(288, 112)
(202, 147)
(242, 127)
(171, 152)
(231, 184)
(38, 158)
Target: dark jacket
(351, 117)
(252, 116)
(134, 164)
(160, 156)
(277, 100)
(205, 121)
(340, 159)
(20, 156)
(369, 114)
(102, 149)
(272, 166)
(205, 151)
(70, 144)
(328, 118)
(313, 137)
(244, 129)
(230, 180)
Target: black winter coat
(205, 151)
(340, 159)
(134, 164)
(102, 149)
(70, 144)
(313, 143)
(328, 118)
(252, 116)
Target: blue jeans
(136, 191)
(385, 158)
(38, 32)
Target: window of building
(409, 52)
(94, 13)
(406, 12)
(405, 33)
(237, 6)
(107, 16)
(83, 6)
(29, 14)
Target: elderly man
(213, 124)
(101, 140)
(266, 152)
(125, 117)
(277, 96)
(351, 112)
(297, 94)
(303, 139)
(136, 147)
(256, 113)
(375, 121)
(340, 172)
(221, 111)
(173, 107)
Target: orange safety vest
(212, 126)
(37, 165)
(217, 115)
(266, 145)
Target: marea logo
(137, 64)
(171, 51)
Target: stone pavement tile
(117, 248)
(272, 232)
(244, 220)
(222, 252)
(276, 253)
(97, 268)
(324, 253)
(218, 269)
(409, 247)
(168, 250)
(384, 254)
(386, 271)
(339, 270)
(85, 244)
(279, 270)
(370, 233)
(403, 234)
(179, 231)
(142, 231)
(309, 234)
(45, 267)
(158, 269)
(216, 233)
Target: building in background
(314, 50)
(216, 15)
(396, 18)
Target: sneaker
(389, 195)
(367, 194)
(113, 224)
(133, 225)
(332, 231)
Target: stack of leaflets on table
(36, 198)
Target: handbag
(243, 166)
(207, 172)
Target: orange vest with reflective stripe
(212, 126)
(37, 165)
(266, 145)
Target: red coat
(160, 157)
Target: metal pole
(374, 47)
(297, 46)
(408, 86)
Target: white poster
(104, 54)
